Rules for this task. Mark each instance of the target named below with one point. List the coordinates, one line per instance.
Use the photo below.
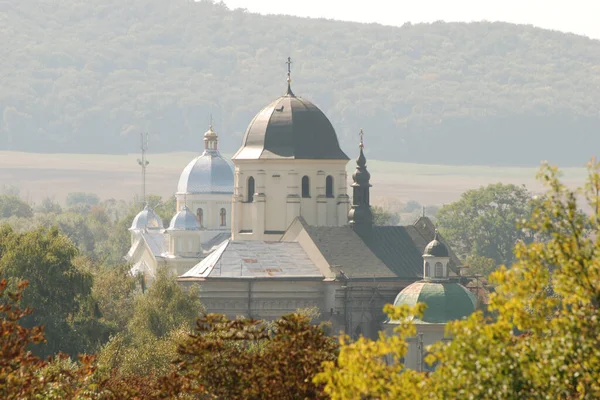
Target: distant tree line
(88, 76)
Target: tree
(479, 265)
(75, 199)
(484, 222)
(11, 205)
(159, 319)
(382, 217)
(165, 209)
(542, 339)
(49, 206)
(247, 359)
(44, 257)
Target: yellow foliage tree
(543, 341)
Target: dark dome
(290, 127)
(436, 248)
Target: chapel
(278, 232)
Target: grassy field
(119, 177)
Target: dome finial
(289, 77)
(361, 145)
(361, 161)
(210, 137)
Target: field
(119, 177)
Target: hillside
(88, 76)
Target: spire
(210, 138)
(143, 163)
(360, 216)
(289, 78)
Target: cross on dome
(210, 138)
(361, 145)
(289, 77)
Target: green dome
(446, 301)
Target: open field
(119, 177)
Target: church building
(295, 239)
(203, 219)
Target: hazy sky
(577, 16)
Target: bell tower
(290, 165)
(360, 217)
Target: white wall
(281, 183)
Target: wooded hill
(88, 76)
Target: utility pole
(143, 163)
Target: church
(274, 229)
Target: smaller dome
(435, 248)
(210, 134)
(146, 219)
(446, 301)
(184, 220)
(208, 173)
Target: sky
(576, 16)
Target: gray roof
(146, 219)
(207, 173)
(256, 259)
(184, 220)
(157, 241)
(344, 249)
(392, 252)
(400, 248)
(290, 128)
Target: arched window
(200, 216)
(329, 186)
(439, 270)
(305, 186)
(250, 197)
(223, 217)
(427, 270)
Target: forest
(87, 76)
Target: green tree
(165, 209)
(382, 217)
(44, 257)
(75, 199)
(484, 222)
(49, 206)
(11, 205)
(479, 265)
(160, 318)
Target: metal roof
(290, 128)
(344, 249)
(391, 251)
(146, 219)
(207, 173)
(158, 242)
(184, 220)
(446, 301)
(255, 259)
